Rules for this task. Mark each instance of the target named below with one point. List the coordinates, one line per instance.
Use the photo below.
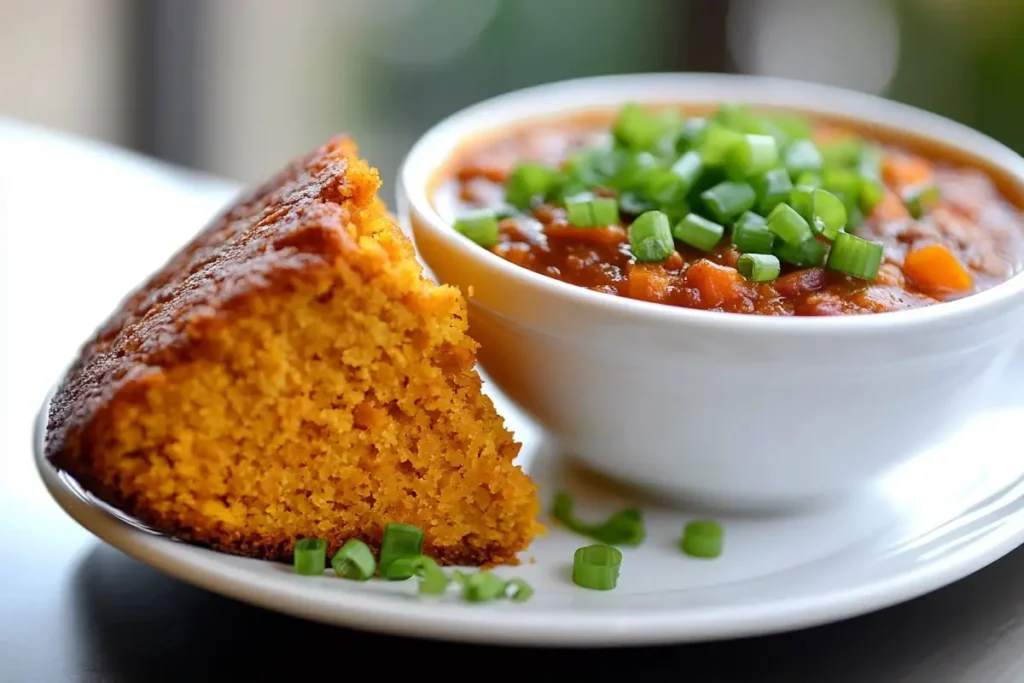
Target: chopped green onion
(811, 179)
(772, 188)
(871, 189)
(727, 200)
(843, 183)
(481, 226)
(433, 580)
(625, 527)
(793, 126)
(400, 540)
(632, 174)
(809, 254)
(855, 257)
(528, 180)
(310, 556)
(750, 234)
(802, 157)
(758, 267)
(752, 155)
(354, 560)
(586, 169)
(650, 238)
(587, 211)
(632, 204)
(698, 232)
(482, 586)
(402, 568)
(691, 134)
(920, 199)
(717, 144)
(854, 219)
(578, 210)
(518, 590)
(828, 215)
(788, 225)
(702, 538)
(842, 152)
(676, 211)
(662, 185)
(596, 567)
(639, 129)
(801, 198)
(688, 170)
(605, 211)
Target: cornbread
(292, 373)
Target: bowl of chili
(733, 289)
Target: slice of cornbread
(292, 373)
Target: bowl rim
(436, 146)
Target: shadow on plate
(136, 624)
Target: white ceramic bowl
(727, 409)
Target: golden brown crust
(290, 230)
(287, 225)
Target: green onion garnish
(752, 155)
(801, 199)
(920, 199)
(871, 189)
(691, 134)
(855, 257)
(596, 567)
(650, 237)
(772, 188)
(845, 184)
(354, 560)
(587, 211)
(788, 225)
(809, 254)
(639, 129)
(725, 201)
(750, 234)
(828, 214)
(698, 232)
(758, 267)
(578, 210)
(433, 580)
(482, 586)
(625, 527)
(842, 152)
(717, 144)
(528, 180)
(630, 203)
(400, 540)
(802, 156)
(702, 538)
(310, 556)
(518, 590)
(811, 179)
(688, 170)
(481, 226)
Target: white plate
(955, 510)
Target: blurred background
(236, 87)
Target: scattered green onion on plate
(596, 567)
(310, 556)
(354, 560)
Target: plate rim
(496, 625)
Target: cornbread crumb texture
(291, 373)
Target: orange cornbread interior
(307, 380)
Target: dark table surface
(75, 609)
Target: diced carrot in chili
(936, 270)
(905, 170)
(718, 285)
(890, 208)
(673, 262)
(610, 234)
(647, 282)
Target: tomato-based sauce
(970, 239)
